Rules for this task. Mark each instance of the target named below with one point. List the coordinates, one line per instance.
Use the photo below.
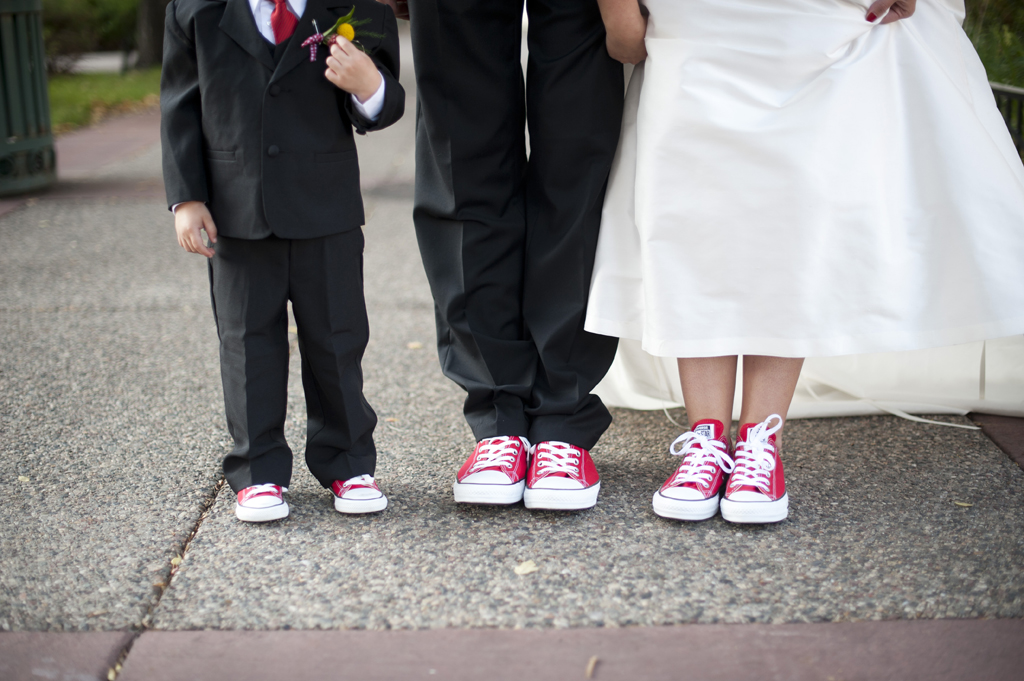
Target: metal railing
(27, 159)
(1010, 101)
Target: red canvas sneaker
(261, 503)
(693, 491)
(562, 477)
(756, 492)
(495, 473)
(358, 495)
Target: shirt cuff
(371, 108)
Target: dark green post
(27, 159)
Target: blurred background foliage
(73, 27)
(996, 27)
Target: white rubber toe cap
(748, 495)
(486, 478)
(557, 482)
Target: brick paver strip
(929, 650)
(74, 656)
(1007, 432)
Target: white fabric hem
(814, 347)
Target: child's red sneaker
(495, 473)
(693, 491)
(756, 492)
(358, 495)
(261, 503)
(562, 477)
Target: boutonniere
(347, 27)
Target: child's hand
(189, 219)
(350, 69)
(625, 27)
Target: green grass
(81, 99)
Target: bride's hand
(625, 27)
(898, 9)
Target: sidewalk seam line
(146, 621)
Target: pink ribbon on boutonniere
(312, 41)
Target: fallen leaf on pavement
(176, 561)
(415, 345)
(591, 665)
(963, 503)
(525, 568)
(23, 478)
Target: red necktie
(282, 21)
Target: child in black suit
(259, 152)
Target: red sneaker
(562, 477)
(756, 492)
(358, 495)
(692, 492)
(495, 473)
(261, 503)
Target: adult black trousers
(251, 282)
(508, 243)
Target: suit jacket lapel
(295, 54)
(240, 25)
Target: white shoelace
(754, 457)
(497, 452)
(256, 490)
(557, 457)
(364, 479)
(700, 455)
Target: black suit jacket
(268, 148)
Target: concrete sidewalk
(116, 523)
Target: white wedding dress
(794, 181)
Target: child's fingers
(210, 227)
(195, 242)
(341, 48)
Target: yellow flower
(347, 32)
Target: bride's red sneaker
(694, 490)
(756, 492)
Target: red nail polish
(871, 18)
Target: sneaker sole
(562, 499)
(756, 511)
(684, 509)
(357, 506)
(261, 515)
(497, 495)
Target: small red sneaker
(358, 495)
(756, 492)
(495, 473)
(692, 492)
(261, 503)
(562, 477)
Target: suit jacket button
(273, 151)
(275, 90)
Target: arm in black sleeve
(387, 61)
(181, 116)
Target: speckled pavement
(111, 434)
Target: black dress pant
(251, 282)
(508, 243)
